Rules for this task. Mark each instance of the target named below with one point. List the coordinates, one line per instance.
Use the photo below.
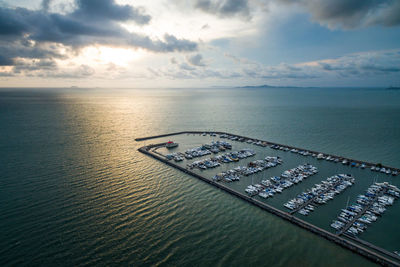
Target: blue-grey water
(74, 190)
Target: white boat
(171, 144)
(303, 212)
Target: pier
(350, 223)
(379, 256)
(312, 199)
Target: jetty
(311, 201)
(369, 251)
(361, 213)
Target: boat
(171, 144)
(303, 212)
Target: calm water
(75, 191)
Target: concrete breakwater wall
(351, 245)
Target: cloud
(6, 61)
(106, 9)
(28, 33)
(33, 65)
(205, 27)
(225, 8)
(196, 60)
(280, 72)
(352, 66)
(239, 60)
(184, 66)
(6, 74)
(82, 71)
(45, 5)
(351, 14)
(362, 64)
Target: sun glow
(105, 55)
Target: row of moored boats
(320, 193)
(252, 168)
(269, 187)
(320, 156)
(216, 161)
(355, 218)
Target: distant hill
(267, 86)
(393, 88)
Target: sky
(199, 43)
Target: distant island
(393, 88)
(268, 86)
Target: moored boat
(171, 144)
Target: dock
(310, 201)
(350, 223)
(383, 258)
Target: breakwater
(352, 245)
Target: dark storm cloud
(224, 8)
(11, 22)
(27, 33)
(352, 14)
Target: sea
(74, 190)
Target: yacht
(171, 144)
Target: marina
(379, 255)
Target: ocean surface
(75, 191)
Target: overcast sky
(196, 43)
